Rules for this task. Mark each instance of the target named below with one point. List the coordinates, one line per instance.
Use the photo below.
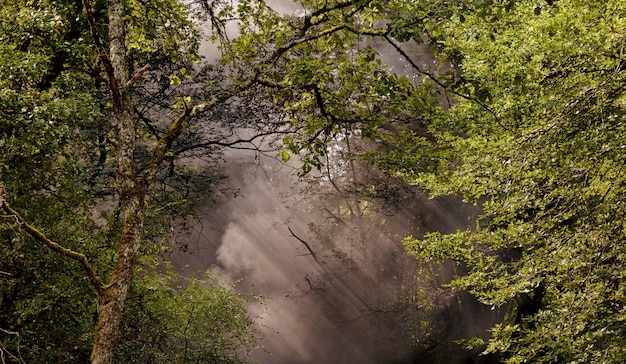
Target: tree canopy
(83, 173)
(102, 105)
(539, 144)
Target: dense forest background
(116, 118)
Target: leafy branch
(41, 237)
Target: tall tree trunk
(111, 302)
(131, 190)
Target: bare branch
(437, 81)
(335, 217)
(137, 76)
(3, 350)
(281, 50)
(234, 143)
(306, 245)
(164, 145)
(148, 123)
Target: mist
(345, 303)
(338, 290)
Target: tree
(104, 103)
(68, 91)
(537, 141)
(83, 127)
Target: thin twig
(306, 245)
(4, 349)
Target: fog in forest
(339, 286)
(349, 301)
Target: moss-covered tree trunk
(131, 191)
(111, 302)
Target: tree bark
(131, 190)
(111, 302)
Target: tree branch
(233, 143)
(164, 144)
(102, 54)
(147, 122)
(17, 357)
(137, 76)
(281, 50)
(306, 245)
(39, 236)
(436, 80)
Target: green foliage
(46, 98)
(56, 161)
(321, 69)
(47, 302)
(535, 135)
(164, 26)
(538, 141)
(171, 319)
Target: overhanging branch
(164, 145)
(234, 144)
(137, 76)
(42, 238)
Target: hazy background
(360, 298)
(346, 306)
